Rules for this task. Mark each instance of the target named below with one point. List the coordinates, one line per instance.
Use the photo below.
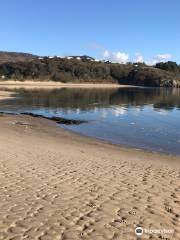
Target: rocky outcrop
(152, 77)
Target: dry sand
(55, 185)
(51, 84)
(5, 95)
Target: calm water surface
(140, 117)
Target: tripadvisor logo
(139, 231)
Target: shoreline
(5, 95)
(40, 119)
(121, 145)
(51, 84)
(66, 121)
(60, 184)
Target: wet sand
(55, 184)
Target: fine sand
(51, 84)
(55, 185)
(5, 95)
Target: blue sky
(100, 28)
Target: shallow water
(145, 118)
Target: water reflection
(139, 117)
(84, 99)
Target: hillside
(15, 57)
(86, 69)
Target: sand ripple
(55, 185)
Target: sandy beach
(5, 95)
(55, 184)
(51, 84)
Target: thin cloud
(124, 57)
(160, 58)
(163, 57)
(95, 46)
(139, 58)
(117, 57)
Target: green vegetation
(86, 69)
(169, 66)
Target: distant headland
(85, 69)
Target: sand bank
(55, 184)
(51, 84)
(5, 95)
